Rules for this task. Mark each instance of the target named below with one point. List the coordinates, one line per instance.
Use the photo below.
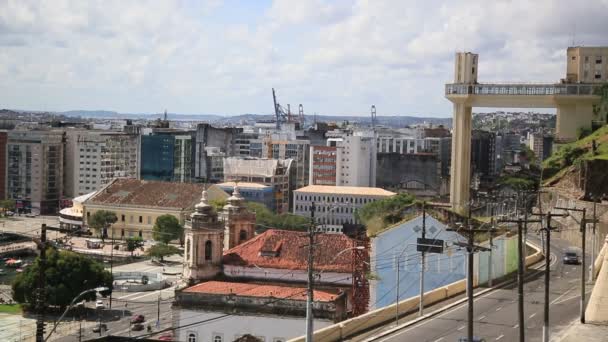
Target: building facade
(587, 64)
(275, 173)
(94, 158)
(138, 203)
(3, 166)
(168, 155)
(252, 192)
(35, 170)
(335, 205)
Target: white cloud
(335, 57)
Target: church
(241, 283)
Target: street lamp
(97, 289)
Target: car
(30, 215)
(99, 304)
(9, 213)
(137, 327)
(166, 337)
(100, 327)
(80, 305)
(475, 339)
(138, 319)
(571, 257)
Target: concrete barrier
(349, 327)
(597, 308)
(156, 281)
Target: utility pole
(547, 230)
(422, 256)
(490, 269)
(40, 298)
(521, 225)
(583, 229)
(471, 249)
(158, 310)
(309, 297)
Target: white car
(99, 304)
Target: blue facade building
(253, 192)
(157, 157)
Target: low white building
(335, 205)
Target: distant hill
(392, 121)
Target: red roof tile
(128, 191)
(260, 290)
(287, 250)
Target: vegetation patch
(13, 309)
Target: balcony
(522, 89)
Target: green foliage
(582, 132)
(7, 205)
(167, 228)
(518, 182)
(102, 219)
(380, 214)
(161, 250)
(218, 204)
(264, 219)
(11, 309)
(67, 275)
(576, 152)
(527, 154)
(134, 243)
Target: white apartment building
(335, 205)
(94, 158)
(355, 162)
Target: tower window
(208, 249)
(191, 337)
(242, 236)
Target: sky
(224, 57)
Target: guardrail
(522, 89)
(375, 318)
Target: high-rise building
(94, 158)
(168, 155)
(35, 170)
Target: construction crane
(284, 116)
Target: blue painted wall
(441, 269)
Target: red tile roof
(260, 290)
(129, 191)
(286, 249)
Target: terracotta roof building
(137, 203)
(283, 249)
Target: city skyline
(223, 57)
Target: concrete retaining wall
(155, 281)
(597, 308)
(386, 314)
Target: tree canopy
(264, 219)
(101, 220)
(7, 205)
(134, 243)
(379, 214)
(67, 275)
(167, 228)
(161, 250)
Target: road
(496, 311)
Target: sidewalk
(578, 332)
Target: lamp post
(97, 289)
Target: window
(208, 249)
(217, 337)
(191, 337)
(573, 58)
(141, 219)
(149, 220)
(242, 236)
(187, 249)
(598, 60)
(122, 218)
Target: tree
(167, 228)
(264, 219)
(67, 275)
(7, 205)
(134, 243)
(101, 220)
(161, 250)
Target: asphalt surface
(496, 316)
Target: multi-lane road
(496, 315)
